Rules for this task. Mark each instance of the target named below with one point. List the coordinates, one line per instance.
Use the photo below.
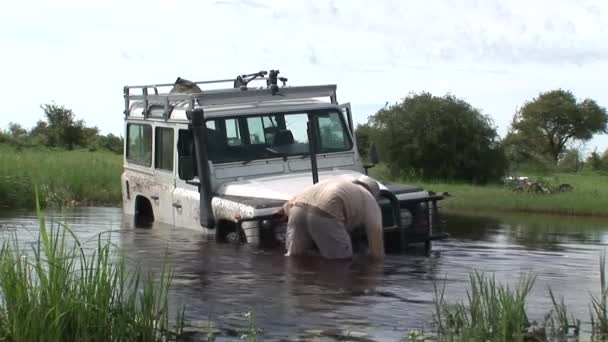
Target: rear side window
(163, 150)
(139, 144)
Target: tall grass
(491, 312)
(588, 198)
(78, 177)
(55, 291)
(599, 305)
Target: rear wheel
(144, 215)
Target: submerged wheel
(144, 214)
(227, 232)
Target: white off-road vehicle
(222, 160)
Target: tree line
(60, 129)
(445, 138)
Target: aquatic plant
(560, 322)
(492, 312)
(599, 305)
(58, 291)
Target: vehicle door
(348, 118)
(164, 173)
(186, 198)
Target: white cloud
(496, 54)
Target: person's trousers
(306, 226)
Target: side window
(185, 146)
(298, 125)
(139, 144)
(233, 133)
(256, 130)
(163, 148)
(332, 133)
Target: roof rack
(240, 93)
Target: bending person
(327, 212)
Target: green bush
(432, 137)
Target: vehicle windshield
(265, 136)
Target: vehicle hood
(282, 187)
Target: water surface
(295, 299)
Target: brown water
(296, 299)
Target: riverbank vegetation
(446, 145)
(587, 197)
(497, 312)
(64, 178)
(59, 289)
(72, 164)
(445, 138)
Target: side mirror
(186, 167)
(373, 154)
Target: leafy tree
(437, 138)
(595, 160)
(604, 163)
(16, 130)
(110, 142)
(63, 129)
(363, 134)
(570, 161)
(548, 123)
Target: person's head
(368, 183)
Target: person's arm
(283, 212)
(374, 229)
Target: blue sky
(494, 54)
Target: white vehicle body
(241, 192)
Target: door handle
(177, 205)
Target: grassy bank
(79, 177)
(55, 291)
(497, 312)
(589, 196)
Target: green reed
(55, 291)
(491, 312)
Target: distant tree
(16, 130)
(40, 133)
(595, 160)
(548, 123)
(570, 161)
(110, 142)
(604, 163)
(62, 128)
(436, 138)
(363, 134)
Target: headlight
(406, 218)
(266, 224)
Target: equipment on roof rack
(242, 81)
(273, 80)
(188, 93)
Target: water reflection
(533, 231)
(296, 298)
